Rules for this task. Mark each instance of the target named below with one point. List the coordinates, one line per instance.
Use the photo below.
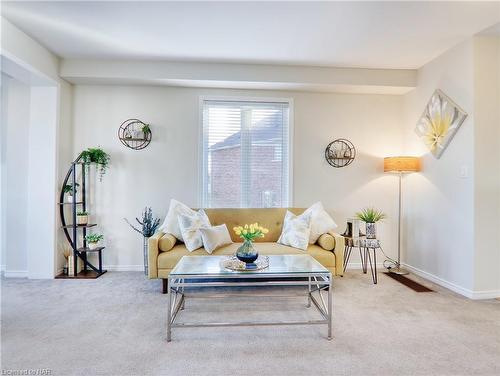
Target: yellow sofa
(165, 250)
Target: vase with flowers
(246, 252)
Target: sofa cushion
(326, 241)
(167, 260)
(215, 237)
(296, 230)
(190, 229)
(321, 222)
(166, 242)
(171, 224)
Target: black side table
(365, 246)
(370, 245)
(351, 243)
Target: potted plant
(149, 224)
(249, 233)
(97, 156)
(93, 240)
(82, 218)
(370, 216)
(146, 130)
(68, 188)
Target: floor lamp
(400, 165)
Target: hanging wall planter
(135, 134)
(340, 153)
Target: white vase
(69, 199)
(371, 230)
(82, 219)
(93, 245)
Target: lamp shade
(401, 164)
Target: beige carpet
(116, 326)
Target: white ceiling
(346, 34)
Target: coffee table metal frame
(315, 282)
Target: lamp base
(398, 270)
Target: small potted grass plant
(82, 218)
(370, 216)
(93, 240)
(68, 188)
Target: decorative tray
(232, 263)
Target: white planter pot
(82, 219)
(69, 199)
(93, 245)
(371, 231)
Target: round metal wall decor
(340, 153)
(134, 134)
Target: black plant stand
(71, 230)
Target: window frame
(201, 170)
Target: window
(245, 154)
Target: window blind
(245, 154)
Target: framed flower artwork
(440, 121)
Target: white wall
(168, 168)
(487, 164)
(439, 209)
(41, 218)
(64, 141)
(452, 222)
(15, 164)
(3, 165)
(51, 147)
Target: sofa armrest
(153, 251)
(159, 242)
(339, 252)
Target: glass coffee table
(286, 270)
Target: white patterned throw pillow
(171, 223)
(296, 230)
(215, 237)
(321, 222)
(190, 229)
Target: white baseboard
(476, 295)
(486, 294)
(15, 273)
(124, 268)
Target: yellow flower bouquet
(250, 232)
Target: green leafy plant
(370, 215)
(82, 213)
(94, 238)
(68, 188)
(149, 223)
(98, 156)
(146, 129)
